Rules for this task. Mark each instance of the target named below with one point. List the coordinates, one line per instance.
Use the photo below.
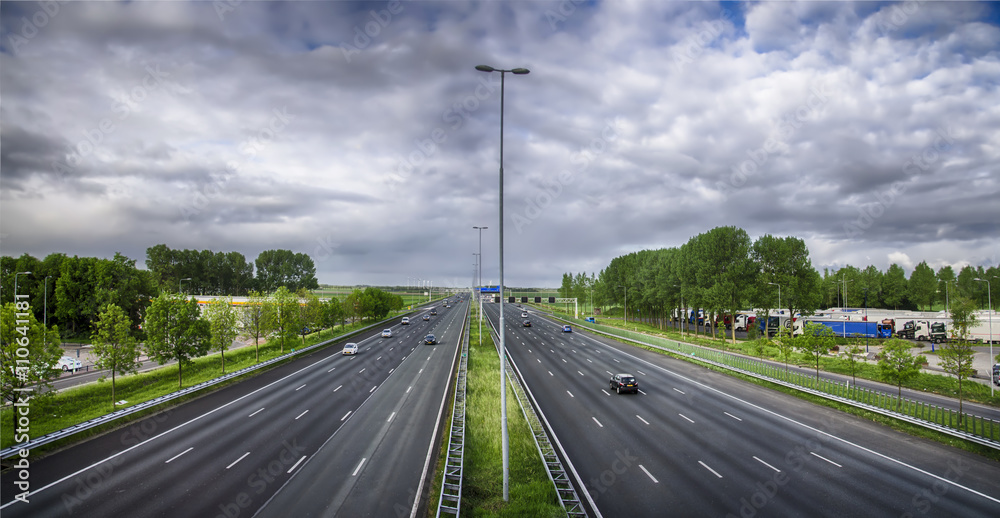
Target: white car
(68, 363)
(406, 321)
(387, 333)
(351, 349)
(524, 315)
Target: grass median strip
(531, 491)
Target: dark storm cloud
(365, 137)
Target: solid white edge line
(716, 473)
(357, 469)
(237, 460)
(648, 474)
(178, 455)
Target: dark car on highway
(527, 323)
(430, 340)
(624, 383)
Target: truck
(775, 322)
(882, 329)
(925, 331)
(907, 330)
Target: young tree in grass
(816, 340)
(898, 365)
(175, 331)
(786, 347)
(852, 350)
(333, 312)
(27, 354)
(222, 318)
(286, 316)
(115, 347)
(957, 355)
(257, 318)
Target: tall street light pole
(503, 348)
(683, 310)
(45, 313)
(989, 300)
(626, 303)
(779, 295)
(15, 282)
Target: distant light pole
(779, 296)
(45, 313)
(15, 283)
(180, 283)
(626, 303)
(683, 310)
(503, 348)
(866, 320)
(989, 300)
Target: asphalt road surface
(695, 442)
(350, 423)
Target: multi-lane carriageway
(324, 435)
(695, 442)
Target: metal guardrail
(118, 414)
(568, 497)
(450, 503)
(978, 429)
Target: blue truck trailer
(883, 329)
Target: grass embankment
(937, 383)
(531, 491)
(75, 405)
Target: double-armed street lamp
(15, 282)
(989, 301)
(503, 348)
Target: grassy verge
(78, 404)
(531, 491)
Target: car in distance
(567, 329)
(406, 321)
(387, 333)
(427, 317)
(527, 323)
(434, 312)
(430, 340)
(592, 320)
(624, 383)
(350, 348)
(524, 314)
(67, 364)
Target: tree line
(175, 328)
(71, 291)
(723, 271)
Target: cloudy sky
(360, 132)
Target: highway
(695, 442)
(351, 423)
